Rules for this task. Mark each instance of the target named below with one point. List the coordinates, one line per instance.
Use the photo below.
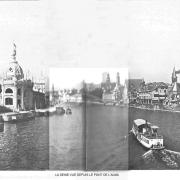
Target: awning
(139, 122)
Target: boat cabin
(141, 125)
(145, 128)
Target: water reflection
(67, 143)
(1, 127)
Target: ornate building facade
(16, 92)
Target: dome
(15, 70)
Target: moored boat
(17, 116)
(147, 134)
(45, 112)
(60, 110)
(68, 110)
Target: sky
(141, 35)
(68, 78)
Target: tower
(108, 78)
(117, 79)
(117, 92)
(175, 85)
(174, 76)
(12, 85)
(104, 77)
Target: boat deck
(152, 136)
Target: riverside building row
(154, 93)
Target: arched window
(8, 101)
(8, 90)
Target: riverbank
(155, 109)
(26, 115)
(90, 102)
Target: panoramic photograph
(90, 85)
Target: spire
(14, 52)
(174, 77)
(108, 78)
(52, 88)
(117, 79)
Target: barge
(17, 116)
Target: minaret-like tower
(117, 79)
(52, 89)
(14, 53)
(174, 76)
(108, 78)
(117, 92)
(12, 85)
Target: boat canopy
(140, 122)
(154, 127)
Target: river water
(93, 141)
(24, 145)
(94, 137)
(66, 140)
(107, 145)
(169, 124)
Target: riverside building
(17, 93)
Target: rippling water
(60, 142)
(24, 145)
(68, 142)
(103, 146)
(107, 145)
(169, 158)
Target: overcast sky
(143, 35)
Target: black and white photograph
(92, 131)
(89, 86)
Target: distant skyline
(69, 78)
(142, 36)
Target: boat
(17, 116)
(45, 112)
(60, 110)
(147, 134)
(68, 110)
